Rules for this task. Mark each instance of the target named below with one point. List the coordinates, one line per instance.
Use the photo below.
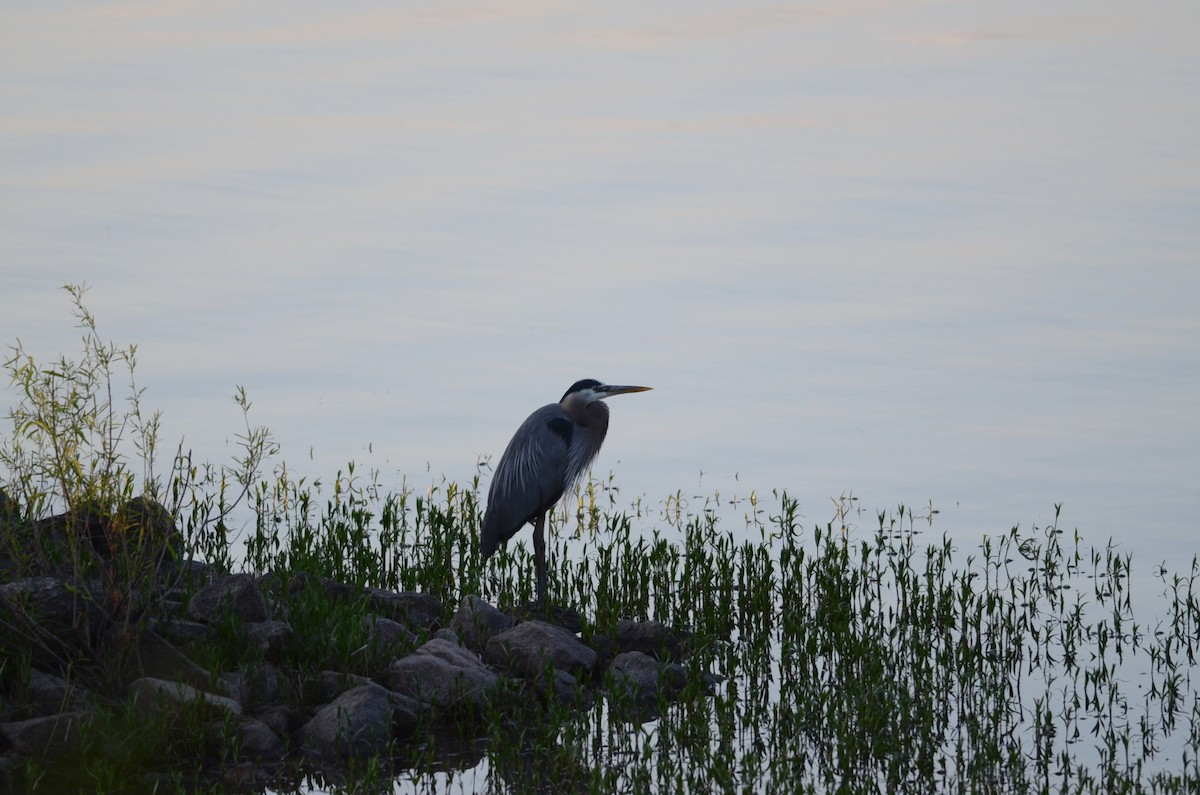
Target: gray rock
(565, 689)
(255, 739)
(441, 674)
(46, 694)
(238, 595)
(258, 685)
(359, 722)
(387, 638)
(530, 647)
(47, 604)
(150, 526)
(51, 735)
(644, 678)
(476, 622)
(158, 693)
(272, 638)
(133, 654)
(181, 632)
(417, 610)
(328, 685)
(281, 719)
(649, 637)
(303, 582)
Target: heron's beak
(611, 390)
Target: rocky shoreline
(413, 675)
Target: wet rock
(51, 735)
(238, 596)
(441, 674)
(644, 678)
(530, 647)
(649, 637)
(359, 722)
(161, 693)
(476, 622)
(563, 688)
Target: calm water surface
(917, 252)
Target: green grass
(868, 653)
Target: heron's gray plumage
(546, 456)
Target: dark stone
(280, 718)
(132, 654)
(146, 525)
(47, 694)
(237, 595)
(644, 678)
(258, 685)
(304, 581)
(255, 739)
(476, 622)
(160, 693)
(328, 685)
(47, 604)
(387, 639)
(417, 610)
(272, 638)
(530, 647)
(52, 735)
(357, 723)
(182, 632)
(441, 674)
(649, 637)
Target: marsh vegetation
(870, 652)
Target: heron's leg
(539, 557)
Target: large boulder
(386, 639)
(255, 740)
(46, 694)
(52, 735)
(643, 678)
(272, 638)
(238, 596)
(45, 605)
(442, 674)
(151, 693)
(416, 610)
(328, 685)
(649, 637)
(360, 722)
(132, 654)
(529, 648)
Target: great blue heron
(547, 454)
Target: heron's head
(589, 390)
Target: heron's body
(548, 453)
